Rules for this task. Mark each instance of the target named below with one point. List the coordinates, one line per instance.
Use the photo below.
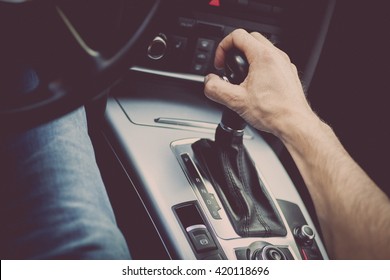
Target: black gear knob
(236, 66)
(236, 70)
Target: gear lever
(231, 171)
(236, 70)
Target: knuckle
(267, 55)
(212, 89)
(285, 56)
(236, 102)
(240, 35)
(211, 86)
(239, 32)
(271, 54)
(255, 33)
(294, 67)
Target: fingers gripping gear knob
(232, 172)
(236, 70)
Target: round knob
(304, 234)
(269, 252)
(157, 47)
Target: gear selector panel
(195, 177)
(206, 221)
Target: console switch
(205, 45)
(201, 238)
(179, 44)
(304, 235)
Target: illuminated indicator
(204, 241)
(215, 3)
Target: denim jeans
(53, 201)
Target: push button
(304, 235)
(201, 57)
(205, 45)
(178, 44)
(198, 68)
(201, 238)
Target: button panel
(193, 38)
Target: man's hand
(271, 97)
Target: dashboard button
(206, 45)
(157, 47)
(178, 44)
(198, 68)
(201, 57)
(304, 235)
(201, 238)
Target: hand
(271, 96)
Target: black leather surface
(235, 179)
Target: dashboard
(166, 204)
(186, 33)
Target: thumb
(223, 92)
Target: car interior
(163, 148)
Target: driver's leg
(53, 201)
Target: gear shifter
(236, 70)
(231, 128)
(231, 171)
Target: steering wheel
(81, 72)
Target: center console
(158, 112)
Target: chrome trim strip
(189, 123)
(182, 76)
(196, 227)
(196, 125)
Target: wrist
(300, 128)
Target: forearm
(353, 212)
